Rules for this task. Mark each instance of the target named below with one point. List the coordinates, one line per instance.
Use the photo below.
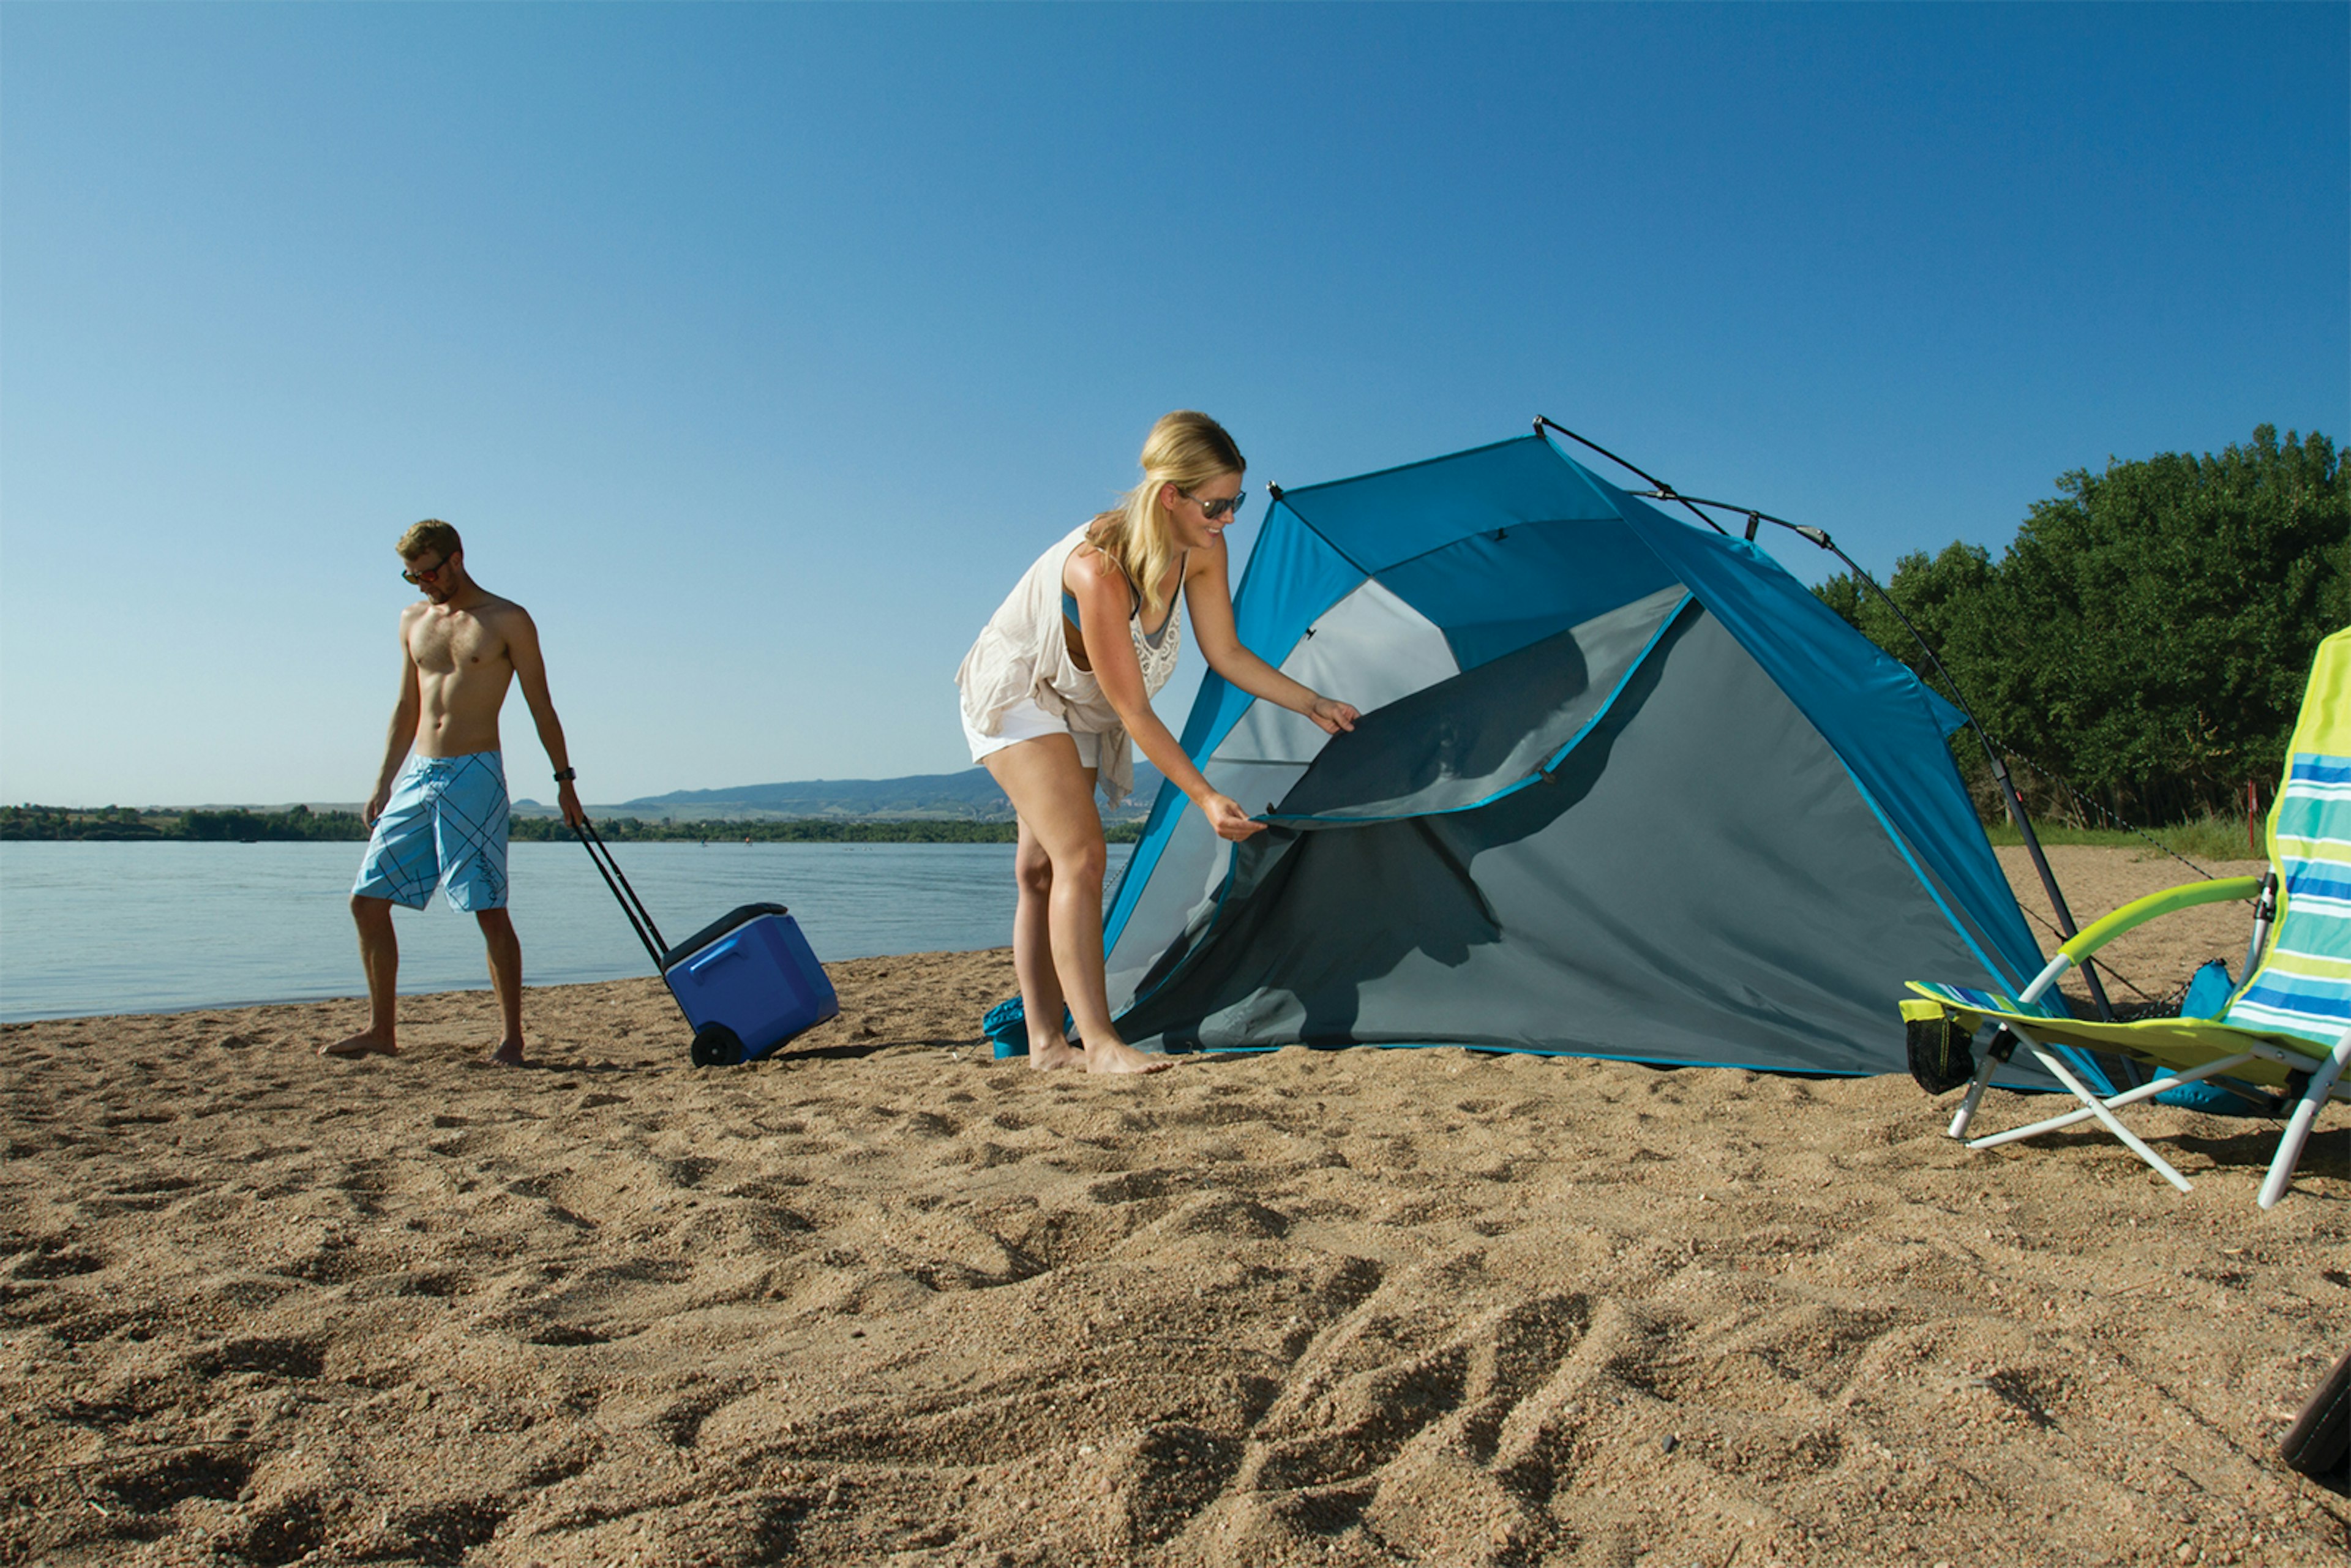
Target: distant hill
(968, 796)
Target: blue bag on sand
(747, 982)
(2208, 997)
(1006, 1024)
(2208, 992)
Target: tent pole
(1665, 492)
(2041, 866)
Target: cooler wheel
(716, 1045)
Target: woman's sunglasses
(1212, 510)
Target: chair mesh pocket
(1940, 1058)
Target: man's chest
(447, 644)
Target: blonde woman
(1063, 674)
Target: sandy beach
(886, 1300)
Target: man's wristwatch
(566, 776)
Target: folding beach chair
(2287, 1027)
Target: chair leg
(2297, 1130)
(2081, 1091)
(1976, 1087)
(2128, 1097)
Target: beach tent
(1623, 787)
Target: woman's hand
(1225, 815)
(1333, 716)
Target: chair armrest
(2139, 911)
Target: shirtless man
(444, 816)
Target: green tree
(2150, 630)
(2147, 633)
(1939, 594)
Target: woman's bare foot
(365, 1043)
(1116, 1056)
(508, 1053)
(1058, 1054)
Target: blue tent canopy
(1624, 787)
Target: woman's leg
(1033, 955)
(1055, 797)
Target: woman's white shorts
(1024, 720)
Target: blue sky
(757, 349)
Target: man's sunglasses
(423, 573)
(1212, 510)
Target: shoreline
(2106, 875)
(92, 931)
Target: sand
(885, 1299)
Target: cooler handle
(730, 948)
(641, 920)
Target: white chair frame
(2324, 1071)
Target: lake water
(148, 927)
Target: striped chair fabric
(2304, 984)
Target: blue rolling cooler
(747, 982)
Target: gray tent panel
(1189, 873)
(1461, 741)
(1699, 881)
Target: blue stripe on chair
(2317, 878)
(1975, 1000)
(2324, 993)
(2311, 840)
(2318, 1031)
(2319, 769)
(2293, 1009)
(1968, 996)
(2332, 908)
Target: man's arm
(530, 670)
(403, 727)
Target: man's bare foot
(365, 1043)
(1119, 1056)
(1059, 1053)
(508, 1053)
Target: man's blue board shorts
(446, 820)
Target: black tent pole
(2009, 797)
(2041, 865)
(1665, 492)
